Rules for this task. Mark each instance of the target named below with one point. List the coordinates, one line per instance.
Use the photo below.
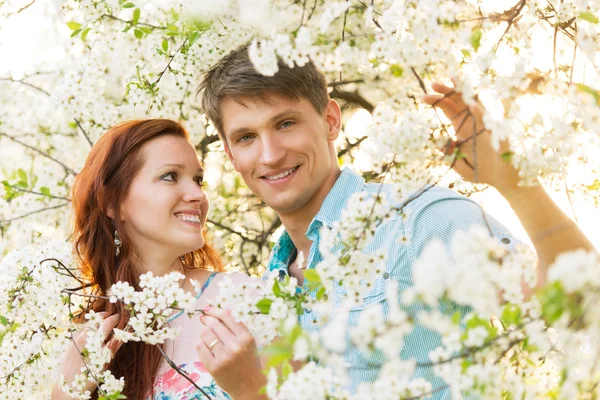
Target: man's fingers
(443, 89)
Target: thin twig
(6, 221)
(180, 372)
(22, 82)
(21, 9)
(48, 156)
(38, 193)
(110, 16)
(83, 132)
(168, 66)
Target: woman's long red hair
(103, 184)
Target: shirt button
(386, 275)
(505, 240)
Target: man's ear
(228, 152)
(333, 116)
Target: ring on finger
(213, 344)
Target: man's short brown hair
(234, 76)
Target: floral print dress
(173, 386)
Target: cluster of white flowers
(310, 382)
(438, 274)
(95, 356)
(34, 315)
(258, 305)
(533, 64)
(150, 308)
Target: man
(278, 133)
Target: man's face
(283, 148)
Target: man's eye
(170, 177)
(244, 138)
(287, 124)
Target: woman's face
(166, 208)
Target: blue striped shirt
(436, 214)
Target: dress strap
(210, 278)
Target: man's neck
(296, 223)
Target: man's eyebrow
(290, 112)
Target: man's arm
(549, 228)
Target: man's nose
(272, 150)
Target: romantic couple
(139, 206)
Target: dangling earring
(118, 244)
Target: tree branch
(6, 221)
(67, 169)
(83, 132)
(352, 97)
(22, 82)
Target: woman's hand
(73, 362)
(229, 353)
(468, 125)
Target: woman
(139, 207)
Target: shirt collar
(348, 183)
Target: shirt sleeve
(441, 216)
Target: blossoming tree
(533, 64)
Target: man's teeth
(281, 175)
(189, 218)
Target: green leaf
(507, 156)
(286, 369)
(138, 34)
(73, 25)
(511, 315)
(75, 32)
(165, 45)
(193, 37)
(396, 70)
(85, 33)
(136, 16)
(3, 320)
(320, 293)
(594, 186)
(589, 17)
(264, 305)
(22, 175)
(276, 288)
(456, 317)
(552, 299)
(587, 89)
(45, 191)
(476, 38)
(128, 5)
(312, 275)
(276, 354)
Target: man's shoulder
(414, 200)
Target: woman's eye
(170, 177)
(199, 181)
(287, 124)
